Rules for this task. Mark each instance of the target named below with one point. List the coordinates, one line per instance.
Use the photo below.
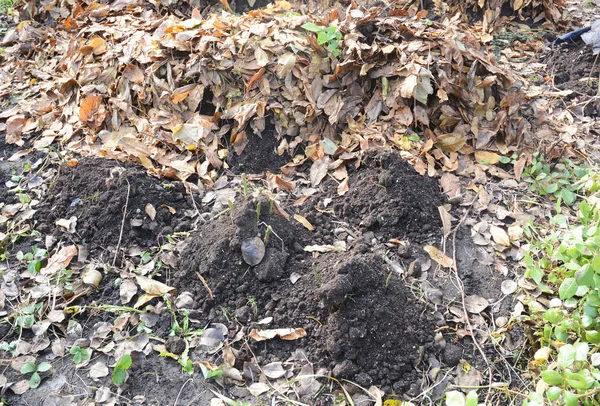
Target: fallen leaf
(153, 287)
(59, 260)
(88, 107)
(150, 211)
(475, 304)
(487, 158)
(302, 220)
(274, 370)
(439, 257)
(500, 236)
(452, 142)
(508, 286)
(318, 170)
(288, 334)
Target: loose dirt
(96, 192)
(575, 68)
(364, 318)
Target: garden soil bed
(363, 315)
(575, 67)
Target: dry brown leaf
(439, 257)
(88, 107)
(150, 211)
(452, 142)
(153, 287)
(133, 73)
(302, 220)
(288, 334)
(318, 170)
(59, 260)
(500, 236)
(486, 157)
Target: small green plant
(80, 354)
(565, 263)
(562, 180)
(7, 5)
(267, 235)
(253, 304)
(316, 273)
(34, 259)
(26, 316)
(119, 374)
(31, 368)
(329, 36)
(456, 398)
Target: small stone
(253, 251)
(175, 345)
(345, 369)
(452, 354)
(243, 314)
(363, 379)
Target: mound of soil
(96, 191)
(574, 69)
(390, 198)
(362, 322)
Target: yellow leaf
(439, 257)
(500, 236)
(487, 158)
(302, 220)
(153, 287)
(541, 356)
(452, 142)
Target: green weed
(329, 36)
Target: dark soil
(362, 322)
(259, 155)
(387, 196)
(96, 191)
(574, 69)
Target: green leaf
(570, 399)
(28, 368)
(312, 27)
(124, 362)
(568, 196)
(472, 398)
(567, 288)
(35, 380)
(44, 367)
(552, 188)
(581, 351)
(576, 381)
(566, 355)
(118, 376)
(553, 393)
(505, 159)
(322, 38)
(585, 276)
(455, 398)
(552, 377)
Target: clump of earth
(362, 321)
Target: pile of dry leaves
(123, 81)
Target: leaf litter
(374, 94)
